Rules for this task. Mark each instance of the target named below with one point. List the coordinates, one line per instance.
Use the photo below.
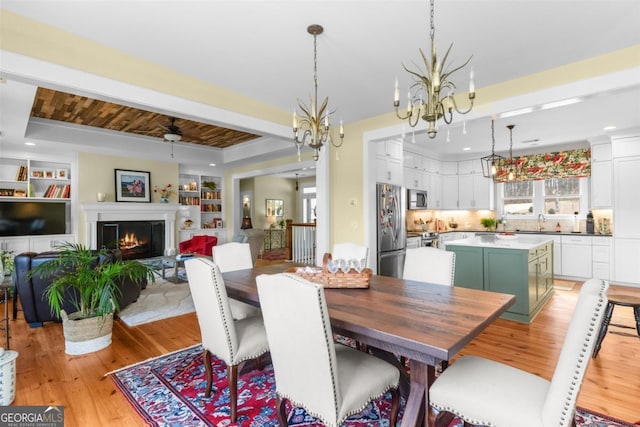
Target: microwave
(416, 199)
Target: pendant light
(492, 162)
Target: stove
(429, 239)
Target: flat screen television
(34, 218)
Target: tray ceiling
(80, 110)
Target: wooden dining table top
(418, 320)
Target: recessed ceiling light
(560, 103)
(212, 164)
(515, 112)
(30, 143)
(606, 128)
(466, 149)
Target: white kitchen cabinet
(413, 242)
(391, 149)
(48, 243)
(449, 168)
(433, 184)
(601, 257)
(15, 245)
(626, 178)
(626, 265)
(557, 255)
(474, 192)
(601, 176)
(576, 256)
(388, 170)
(414, 179)
(449, 191)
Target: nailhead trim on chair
(569, 404)
(328, 333)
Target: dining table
(426, 323)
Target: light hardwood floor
(47, 376)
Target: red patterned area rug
(169, 391)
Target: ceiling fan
(173, 132)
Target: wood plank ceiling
(80, 110)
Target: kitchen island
(518, 265)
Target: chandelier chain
(315, 66)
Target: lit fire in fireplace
(130, 241)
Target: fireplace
(136, 239)
(161, 215)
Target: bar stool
(613, 300)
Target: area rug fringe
(151, 359)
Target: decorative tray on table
(506, 236)
(339, 279)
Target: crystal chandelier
(314, 123)
(492, 162)
(425, 101)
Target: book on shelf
(21, 173)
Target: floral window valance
(562, 164)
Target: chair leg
(443, 419)
(282, 411)
(206, 355)
(232, 377)
(395, 407)
(603, 330)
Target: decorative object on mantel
(491, 162)
(211, 185)
(425, 102)
(562, 164)
(165, 192)
(132, 186)
(315, 122)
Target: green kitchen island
(520, 265)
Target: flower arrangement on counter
(165, 191)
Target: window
(561, 196)
(553, 196)
(308, 204)
(518, 198)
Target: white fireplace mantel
(105, 211)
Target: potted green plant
(488, 223)
(97, 287)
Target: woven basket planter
(83, 336)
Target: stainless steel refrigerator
(390, 220)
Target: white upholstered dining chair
(232, 341)
(349, 250)
(431, 265)
(329, 380)
(234, 256)
(484, 392)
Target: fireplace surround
(105, 211)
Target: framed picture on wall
(133, 186)
(275, 207)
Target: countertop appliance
(416, 199)
(390, 228)
(429, 239)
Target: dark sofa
(31, 290)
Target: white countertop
(491, 241)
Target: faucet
(540, 217)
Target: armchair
(201, 245)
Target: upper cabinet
(34, 179)
(389, 162)
(601, 176)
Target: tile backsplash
(425, 220)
